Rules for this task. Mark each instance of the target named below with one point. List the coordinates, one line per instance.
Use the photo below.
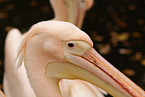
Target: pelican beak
(76, 15)
(77, 10)
(102, 74)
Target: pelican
(65, 10)
(49, 57)
(71, 10)
(74, 13)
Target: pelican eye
(71, 45)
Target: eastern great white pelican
(50, 56)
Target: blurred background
(117, 28)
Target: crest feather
(22, 47)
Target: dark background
(117, 28)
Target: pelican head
(71, 10)
(55, 50)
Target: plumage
(71, 10)
(14, 37)
(58, 61)
(15, 80)
(47, 59)
(79, 89)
